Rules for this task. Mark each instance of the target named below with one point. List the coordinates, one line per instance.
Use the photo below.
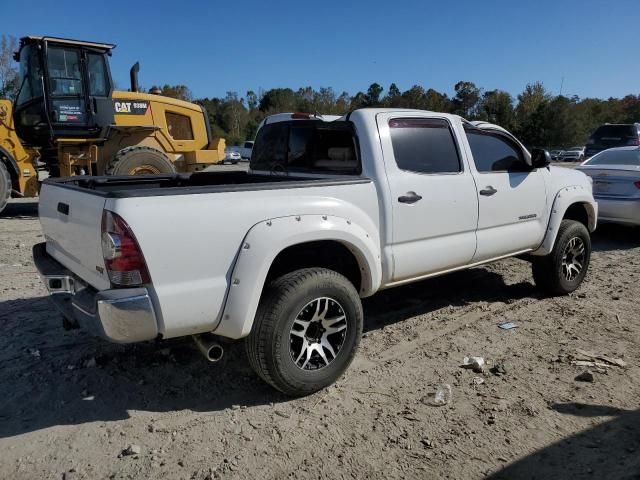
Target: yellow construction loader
(68, 120)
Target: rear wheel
(564, 269)
(5, 186)
(140, 161)
(306, 331)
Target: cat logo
(122, 107)
(135, 107)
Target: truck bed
(195, 183)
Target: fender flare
(267, 239)
(564, 199)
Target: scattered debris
(498, 369)
(132, 449)
(34, 352)
(442, 395)
(478, 380)
(89, 398)
(585, 376)
(584, 355)
(90, 363)
(427, 443)
(507, 325)
(474, 363)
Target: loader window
(30, 72)
(179, 126)
(64, 71)
(98, 80)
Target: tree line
(536, 116)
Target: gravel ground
(75, 407)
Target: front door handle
(409, 197)
(488, 191)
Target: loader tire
(306, 331)
(140, 161)
(5, 186)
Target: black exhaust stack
(133, 74)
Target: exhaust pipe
(133, 75)
(209, 347)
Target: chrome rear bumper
(124, 315)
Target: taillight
(302, 116)
(122, 255)
(633, 141)
(637, 184)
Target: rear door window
(424, 145)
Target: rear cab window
(307, 147)
(424, 145)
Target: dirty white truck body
(209, 246)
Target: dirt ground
(70, 404)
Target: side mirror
(540, 158)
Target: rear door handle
(409, 197)
(488, 191)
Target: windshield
(306, 146)
(617, 157)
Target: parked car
(612, 135)
(231, 156)
(328, 213)
(555, 155)
(572, 154)
(616, 184)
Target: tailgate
(71, 222)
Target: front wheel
(306, 331)
(564, 269)
(5, 186)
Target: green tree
(181, 92)
(373, 95)
(465, 103)
(497, 107)
(252, 100)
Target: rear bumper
(124, 315)
(625, 211)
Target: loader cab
(65, 90)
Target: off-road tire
(548, 270)
(140, 160)
(268, 344)
(5, 186)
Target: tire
(288, 317)
(5, 186)
(551, 273)
(140, 161)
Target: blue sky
(214, 47)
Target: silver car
(616, 184)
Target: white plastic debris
(474, 363)
(442, 395)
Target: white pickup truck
(329, 212)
